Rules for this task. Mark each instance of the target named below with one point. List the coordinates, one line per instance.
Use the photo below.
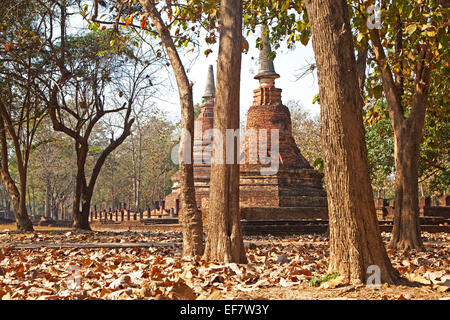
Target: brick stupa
(292, 192)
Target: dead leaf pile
(160, 272)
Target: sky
(288, 64)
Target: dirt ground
(60, 264)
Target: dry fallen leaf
(214, 295)
(181, 291)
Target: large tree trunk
(224, 236)
(76, 212)
(355, 238)
(191, 217)
(82, 196)
(23, 222)
(81, 210)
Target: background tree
(156, 133)
(21, 107)
(434, 163)
(412, 50)
(52, 171)
(380, 147)
(77, 103)
(306, 131)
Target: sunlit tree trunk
(355, 238)
(224, 242)
(407, 136)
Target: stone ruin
(293, 192)
(201, 152)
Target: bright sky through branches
(288, 63)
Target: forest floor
(61, 264)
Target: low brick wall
(283, 213)
(385, 208)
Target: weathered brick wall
(268, 113)
(295, 191)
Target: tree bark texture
(407, 136)
(355, 238)
(18, 197)
(224, 242)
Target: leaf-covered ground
(133, 265)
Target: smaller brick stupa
(292, 189)
(202, 150)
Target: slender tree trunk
(29, 200)
(134, 160)
(224, 242)
(54, 209)
(355, 238)
(361, 65)
(85, 207)
(76, 212)
(81, 198)
(23, 221)
(23, 191)
(113, 193)
(191, 217)
(407, 135)
(406, 230)
(47, 198)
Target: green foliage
(316, 282)
(306, 132)
(319, 165)
(380, 144)
(423, 23)
(434, 164)
(288, 21)
(197, 110)
(316, 99)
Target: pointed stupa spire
(210, 84)
(266, 68)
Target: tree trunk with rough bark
(224, 241)
(355, 238)
(82, 220)
(407, 136)
(18, 197)
(406, 229)
(191, 217)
